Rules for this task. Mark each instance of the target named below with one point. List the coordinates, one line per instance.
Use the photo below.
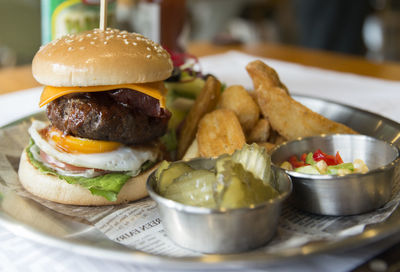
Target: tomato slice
(303, 157)
(59, 164)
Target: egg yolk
(73, 144)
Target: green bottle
(61, 17)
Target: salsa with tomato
(322, 163)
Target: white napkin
(14, 106)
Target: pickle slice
(220, 181)
(234, 193)
(241, 187)
(193, 188)
(168, 175)
(256, 160)
(164, 165)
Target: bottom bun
(52, 188)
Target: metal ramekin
(218, 230)
(342, 195)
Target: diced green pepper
(310, 159)
(333, 169)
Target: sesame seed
(105, 42)
(70, 48)
(82, 47)
(92, 42)
(148, 56)
(148, 49)
(89, 35)
(124, 32)
(94, 38)
(80, 39)
(134, 43)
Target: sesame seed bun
(52, 188)
(99, 57)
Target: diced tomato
(318, 155)
(338, 158)
(295, 162)
(329, 159)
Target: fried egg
(120, 160)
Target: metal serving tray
(85, 239)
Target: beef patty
(122, 115)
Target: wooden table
(13, 79)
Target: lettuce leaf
(107, 186)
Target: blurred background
(368, 28)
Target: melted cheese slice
(154, 89)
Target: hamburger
(104, 98)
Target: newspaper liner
(138, 226)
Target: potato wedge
(192, 152)
(260, 132)
(292, 119)
(219, 133)
(237, 99)
(287, 116)
(262, 74)
(205, 102)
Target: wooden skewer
(103, 14)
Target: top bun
(101, 57)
